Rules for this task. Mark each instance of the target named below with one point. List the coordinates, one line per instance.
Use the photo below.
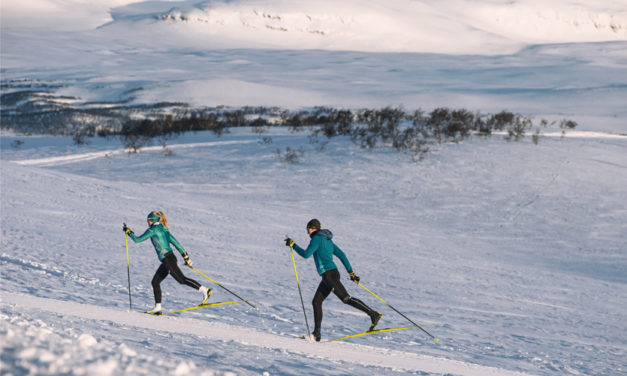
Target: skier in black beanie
(323, 249)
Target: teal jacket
(161, 239)
(323, 249)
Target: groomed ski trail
(81, 157)
(352, 353)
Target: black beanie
(314, 223)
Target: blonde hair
(162, 218)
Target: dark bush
(290, 156)
(499, 121)
(568, 124)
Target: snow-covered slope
(513, 254)
(109, 357)
(392, 26)
(449, 26)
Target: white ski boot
(206, 292)
(156, 310)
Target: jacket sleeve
(137, 239)
(311, 248)
(176, 244)
(342, 256)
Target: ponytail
(162, 218)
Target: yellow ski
(370, 332)
(205, 305)
(197, 306)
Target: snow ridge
(137, 321)
(400, 26)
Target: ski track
(82, 157)
(338, 352)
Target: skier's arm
(176, 244)
(342, 256)
(142, 237)
(311, 248)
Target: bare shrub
(568, 124)
(136, 134)
(516, 129)
(536, 137)
(290, 156)
(499, 121)
(167, 151)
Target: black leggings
(169, 266)
(331, 282)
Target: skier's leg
(177, 274)
(321, 294)
(354, 302)
(340, 292)
(159, 276)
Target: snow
(511, 253)
(401, 361)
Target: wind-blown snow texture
(513, 254)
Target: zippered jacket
(323, 249)
(161, 239)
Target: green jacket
(161, 239)
(323, 250)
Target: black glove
(127, 229)
(289, 242)
(188, 262)
(353, 277)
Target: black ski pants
(331, 282)
(169, 266)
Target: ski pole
(395, 310)
(231, 292)
(299, 292)
(128, 273)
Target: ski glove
(353, 277)
(188, 262)
(289, 242)
(127, 229)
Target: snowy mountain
(450, 26)
(558, 59)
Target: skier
(158, 232)
(323, 249)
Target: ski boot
(156, 310)
(316, 335)
(206, 292)
(375, 320)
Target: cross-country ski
(196, 307)
(370, 332)
(367, 332)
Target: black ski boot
(316, 335)
(375, 320)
